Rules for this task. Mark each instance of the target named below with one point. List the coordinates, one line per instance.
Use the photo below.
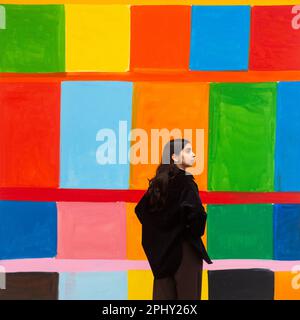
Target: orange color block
(160, 37)
(168, 106)
(287, 285)
(135, 249)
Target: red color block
(29, 134)
(160, 37)
(109, 195)
(275, 44)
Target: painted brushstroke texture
(91, 265)
(93, 286)
(287, 151)
(28, 229)
(109, 195)
(171, 106)
(29, 135)
(86, 108)
(97, 38)
(91, 230)
(160, 37)
(287, 284)
(34, 39)
(220, 37)
(30, 286)
(241, 137)
(286, 232)
(275, 44)
(240, 231)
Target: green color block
(240, 231)
(33, 39)
(241, 136)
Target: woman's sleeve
(140, 208)
(194, 214)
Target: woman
(173, 221)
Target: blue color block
(28, 229)
(287, 151)
(220, 37)
(93, 286)
(287, 232)
(86, 108)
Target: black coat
(183, 217)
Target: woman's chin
(189, 165)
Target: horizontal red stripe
(104, 195)
(159, 75)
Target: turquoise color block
(93, 286)
(88, 107)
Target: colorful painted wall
(68, 228)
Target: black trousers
(186, 283)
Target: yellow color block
(140, 284)
(204, 290)
(97, 38)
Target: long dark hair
(166, 171)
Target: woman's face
(186, 157)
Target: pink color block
(80, 265)
(91, 230)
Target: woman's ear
(174, 157)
